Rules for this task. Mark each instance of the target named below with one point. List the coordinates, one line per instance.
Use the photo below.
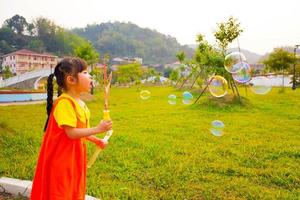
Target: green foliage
(227, 32)
(149, 72)
(279, 59)
(180, 56)
(97, 74)
(41, 35)
(127, 39)
(160, 151)
(6, 73)
(88, 53)
(174, 76)
(17, 24)
(167, 71)
(128, 73)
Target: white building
(25, 60)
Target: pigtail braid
(49, 97)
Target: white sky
(267, 24)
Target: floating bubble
(172, 99)
(232, 59)
(187, 98)
(244, 75)
(218, 86)
(260, 85)
(145, 94)
(217, 127)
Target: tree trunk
(184, 81)
(195, 80)
(231, 86)
(203, 90)
(237, 90)
(178, 81)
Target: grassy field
(160, 151)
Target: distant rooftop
(29, 52)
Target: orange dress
(61, 167)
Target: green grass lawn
(160, 151)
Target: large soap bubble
(232, 59)
(218, 86)
(260, 85)
(244, 75)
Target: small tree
(6, 72)
(225, 34)
(128, 73)
(89, 54)
(279, 60)
(174, 76)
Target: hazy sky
(266, 24)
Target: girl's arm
(99, 142)
(75, 133)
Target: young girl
(61, 168)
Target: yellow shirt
(65, 114)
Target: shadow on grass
(227, 102)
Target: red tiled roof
(28, 52)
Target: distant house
(153, 79)
(174, 65)
(25, 60)
(126, 60)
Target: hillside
(127, 39)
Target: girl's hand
(101, 143)
(104, 125)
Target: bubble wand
(106, 115)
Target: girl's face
(84, 82)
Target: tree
(17, 23)
(280, 60)
(182, 59)
(167, 71)
(174, 76)
(225, 34)
(88, 53)
(6, 73)
(128, 73)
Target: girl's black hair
(67, 66)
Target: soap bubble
(218, 86)
(244, 75)
(187, 98)
(145, 94)
(260, 85)
(232, 59)
(217, 127)
(172, 99)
